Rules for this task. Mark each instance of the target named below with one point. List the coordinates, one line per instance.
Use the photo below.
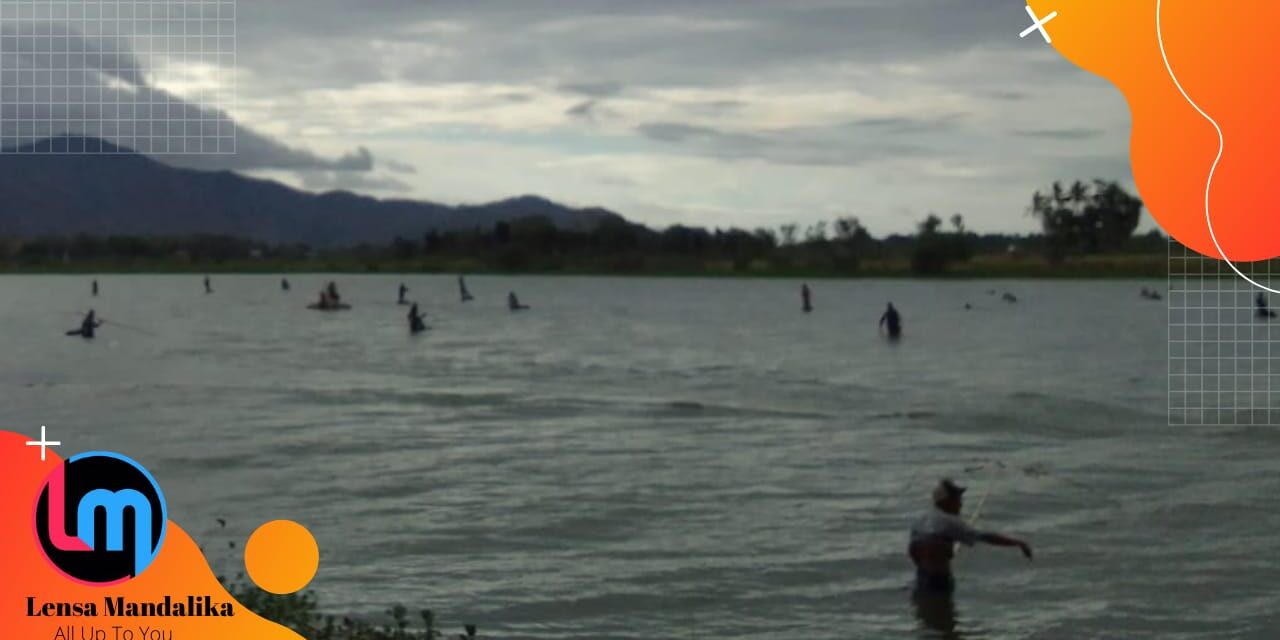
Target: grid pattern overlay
(1224, 363)
(155, 76)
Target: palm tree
(929, 226)
(1089, 217)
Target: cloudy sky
(710, 112)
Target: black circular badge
(100, 518)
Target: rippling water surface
(650, 458)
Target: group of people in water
(418, 319)
(933, 538)
(890, 321)
(329, 300)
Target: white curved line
(1208, 187)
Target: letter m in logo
(115, 503)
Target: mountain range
(121, 192)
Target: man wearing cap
(935, 534)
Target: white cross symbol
(42, 443)
(1038, 24)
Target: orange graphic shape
(179, 570)
(1224, 55)
(281, 557)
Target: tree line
(1080, 219)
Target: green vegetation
(1087, 232)
(300, 612)
(1088, 218)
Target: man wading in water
(935, 534)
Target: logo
(100, 518)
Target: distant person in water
(95, 288)
(891, 321)
(935, 534)
(1264, 308)
(416, 322)
(1009, 297)
(462, 290)
(332, 290)
(208, 286)
(88, 326)
(284, 284)
(513, 303)
(806, 298)
(403, 291)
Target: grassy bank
(301, 613)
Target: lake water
(653, 458)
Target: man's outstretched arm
(999, 540)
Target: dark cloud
(705, 43)
(254, 151)
(791, 146)
(1008, 96)
(593, 89)
(97, 87)
(582, 109)
(594, 47)
(935, 90)
(31, 46)
(907, 124)
(591, 111)
(679, 132)
(1061, 134)
(396, 166)
(358, 160)
(725, 105)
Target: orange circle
(281, 557)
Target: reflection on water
(937, 616)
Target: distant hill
(122, 192)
